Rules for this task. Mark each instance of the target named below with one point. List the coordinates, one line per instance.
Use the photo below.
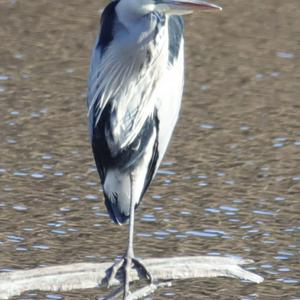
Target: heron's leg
(129, 254)
(129, 259)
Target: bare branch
(90, 275)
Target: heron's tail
(117, 192)
(118, 216)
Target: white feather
(169, 101)
(132, 90)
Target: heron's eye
(136, 145)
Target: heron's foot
(142, 270)
(126, 264)
(113, 270)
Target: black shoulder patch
(175, 28)
(108, 19)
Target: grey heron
(134, 95)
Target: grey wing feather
(103, 40)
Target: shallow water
(229, 184)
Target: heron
(135, 89)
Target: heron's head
(171, 7)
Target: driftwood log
(91, 275)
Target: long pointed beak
(197, 4)
(187, 6)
